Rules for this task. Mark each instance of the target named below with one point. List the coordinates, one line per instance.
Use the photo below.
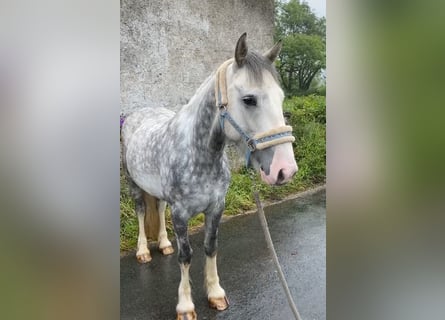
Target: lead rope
(271, 247)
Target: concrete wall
(168, 47)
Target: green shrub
(128, 221)
(239, 196)
(308, 118)
(304, 110)
(310, 153)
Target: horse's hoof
(219, 304)
(190, 315)
(167, 250)
(143, 257)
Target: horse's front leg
(215, 293)
(185, 308)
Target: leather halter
(259, 141)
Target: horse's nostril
(280, 177)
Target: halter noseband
(259, 141)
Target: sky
(318, 7)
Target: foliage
(303, 55)
(307, 115)
(128, 220)
(308, 118)
(239, 196)
(311, 154)
(304, 110)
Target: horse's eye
(249, 101)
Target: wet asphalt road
(246, 270)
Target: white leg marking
(143, 254)
(185, 303)
(162, 237)
(214, 290)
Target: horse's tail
(152, 220)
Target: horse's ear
(241, 50)
(273, 52)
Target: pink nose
(285, 175)
(283, 166)
(280, 175)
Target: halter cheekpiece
(259, 141)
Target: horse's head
(254, 102)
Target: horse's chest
(199, 191)
(203, 197)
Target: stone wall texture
(168, 48)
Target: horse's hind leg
(165, 246)
(142, 253)
(155, 223)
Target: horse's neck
(199, 118)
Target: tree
(304, 45)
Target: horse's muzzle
(283, 176)
(283, 167)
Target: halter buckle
(251, 145)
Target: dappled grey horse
(179, 158)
